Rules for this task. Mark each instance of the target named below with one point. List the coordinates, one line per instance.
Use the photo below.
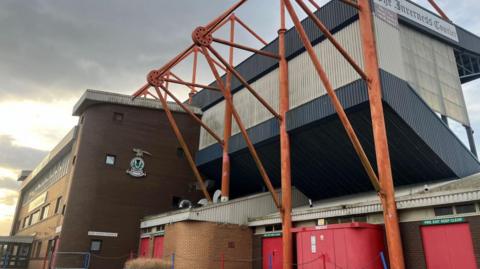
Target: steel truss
(203, 38)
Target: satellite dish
(185, 204)
(216, 196)
(203, 202)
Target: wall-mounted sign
(419, 15)
(102, 234)
(137, 164)
(443, 221)
(37, 201)
(277, 234)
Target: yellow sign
(37, 201)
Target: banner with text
(417, 14)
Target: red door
(158, 247)
(144, 247)
(272, 253)
(448, 246)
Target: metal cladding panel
(432, 71)
(389, 48)
(304, 85)
(324, 163)
(335, 15)
(468, 40)
(403, 99)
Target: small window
(117, 117)
(160, 228)
(360, 219)
(57, 204)
(231, 244)
(443, 211)
(74, 159)
(467, 208)
(96, 245)
(63, 209)
(110, 159)
(345, 220)
(38, 249)
(25, 222)
(34, 218)
(331, 221)
(45, 210)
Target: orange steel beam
(438, 9)
(227, 122)
(183, 144)
(190, 85)
(194, 74)
(219, 65)
(243, 131)
(332, 39)
(331, 93)
(390, 214)
(314, 4)
(285, 164)
(213, 25)
(197, 119)
(243, 81)
(245, 26)
(238, 46)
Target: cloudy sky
(52, 50)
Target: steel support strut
(333, 96)
(243, 131)
(183, 144)
(286, 178)
(227, 124)
(392, 229)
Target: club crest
(137, 164)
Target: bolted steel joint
(154, 78)
(201, 38)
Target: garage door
(144, 247)
(158, 247)
(448, 246)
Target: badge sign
(137, 164)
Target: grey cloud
(10, 199)
(8, 183)
(17, 157)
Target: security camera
(426, 187)
(310, 203)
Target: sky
(51, 51)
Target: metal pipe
(227, 125)
(183, 144)
(438, 9)
(243, 131)
(190, 85)
(238, 46)
(314, 4)
(244, 25)
(390, 214)
(331, 93)
(213, 25)
(197, 119)
(244, 82)
(285, 162)
(351, 3)
(332, 39)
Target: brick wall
(200, 245)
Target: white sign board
(313, 243)
(417, 14)
(102, 234)
(37, 201)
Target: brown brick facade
(201, 245)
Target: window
(63, 209)
(467, 208)
(25, 222)
(45, 210)
(117, 117)
(34, 218)
(443, 211)
(57, 204)
(38, 249)
(74, 159)
(110, 159)
(96, 245)
(273, 228)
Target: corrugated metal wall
(432, 72)
(304, 84)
